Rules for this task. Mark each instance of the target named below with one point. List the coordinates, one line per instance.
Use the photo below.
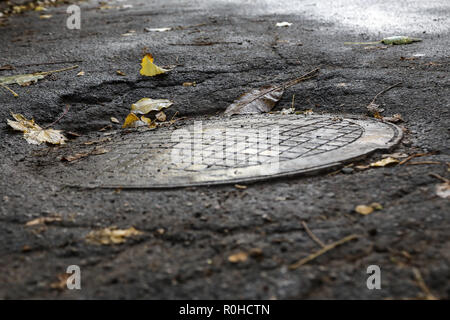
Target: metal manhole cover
(229, 150)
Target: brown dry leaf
(43, 220)
(394, 119)
(189, 84)
(240, 186)
(74, 157)
(161, 116)
(263, 99)
(33, 133)
(384, 162)
(61, 284)
(238, 257)
(109, 236)
(120, 73)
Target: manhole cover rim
(375, 137)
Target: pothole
(227, 150)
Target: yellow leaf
(363, 209)
(385, 162)
(238, 257)
(33, 133)
(149, 122)
(149, 69)
(130, 120)
(111, 235)
(145, 105)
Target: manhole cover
(229, 150)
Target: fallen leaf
(43, 220)
(45, 16)
(238, 257)
(443, 190)
(283, 24)
(189, 84)
(74, 157)
(149, 69)
(240, 186)
(146, 105)
(394, 119)
(157, 29)
(384, 162)
(23, 79)
(398, 40)
(363, 209)
(161, 116)
(151, 124)
(130, 120)
(120, 73)
(111, 235)
(374, 109)
(81, 73)
(114, 120)
(263, 99)
(61, 284)
(368, 209)
(33, 133)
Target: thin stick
(60, 117)
(49, 63)
(9, 89)
(439, 177)
(325, 249)
(415, 156)
(57, 70)
(293, 101)
(384, 91)
(422, 285)
(304, 77)
(423, 162)
(312, 235)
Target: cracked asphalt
(227, 48)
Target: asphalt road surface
(188, 234)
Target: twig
(423, 162)
(384, 91)
(44, 73)
(439, 177)
(422, 285)
(312, 235)
(293, 101)
(59, 118)
(9, 89)
(48, 63)
(325, 249)
(415, 156)
(304, 77)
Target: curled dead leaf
(146, 105)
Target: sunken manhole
(229, 150)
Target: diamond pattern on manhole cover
(230, 150)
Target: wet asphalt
(227, 48)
